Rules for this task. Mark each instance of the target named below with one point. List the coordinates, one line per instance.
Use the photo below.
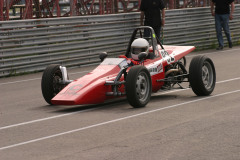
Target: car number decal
(166, 56)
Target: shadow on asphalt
(111, 104)
(77, 108)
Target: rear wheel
(202, 75)
(51, 78)
(183, 61)
(138, 86)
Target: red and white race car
(147, 67)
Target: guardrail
(31, 45)
(196, 26)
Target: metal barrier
(31, 9)
(31, 45)
(196, 26)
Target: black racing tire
(202, 75)
(184, 61)
(50, 82)
(138, 86)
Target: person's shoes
(230, 44)
(219, 48)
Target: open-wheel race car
(147, 67)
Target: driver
(138, 46)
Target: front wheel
(51, 78)
(138, 86)
(202, 75)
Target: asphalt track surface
(175, 125)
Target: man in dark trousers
(222, 15)
(151, 11)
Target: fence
(32, 9)
(31, 45)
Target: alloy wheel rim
(207, 75)
(142, 87)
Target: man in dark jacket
(222, 15)
(151, 11)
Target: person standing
(151, 11)
(222, 15)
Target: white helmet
(139, 45)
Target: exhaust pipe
(172, 70)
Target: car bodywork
(108, 80)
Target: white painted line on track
(115, 120)
(178, 90)
(228, 80)
(44, 119)
(13, 82)
(72, 113)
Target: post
(1, 10)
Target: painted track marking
(13, 82)
(115, 120)
(72, 113)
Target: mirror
(103, 55)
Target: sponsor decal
(155, 68)
(169, 58)
(164, 53)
